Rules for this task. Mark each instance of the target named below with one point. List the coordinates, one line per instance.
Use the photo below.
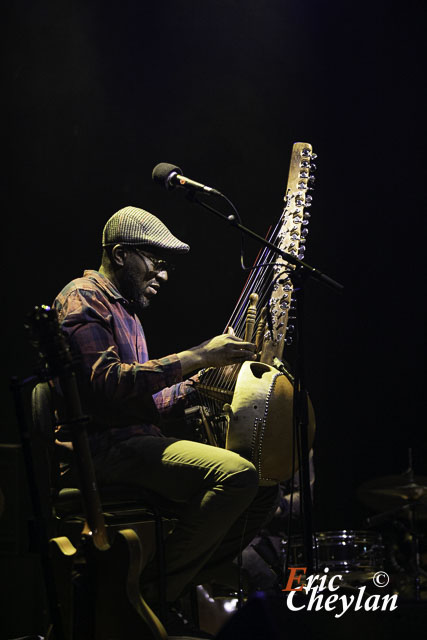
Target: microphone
(170, 176)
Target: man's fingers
(244, 346)
(244, 354)
(234, 337)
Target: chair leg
(194, 606)
(240, 583)
(161, 562)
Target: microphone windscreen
(162, 171)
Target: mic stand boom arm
(307, 269)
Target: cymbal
(390, 492)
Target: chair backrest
(42, 446)
(45, 406)
(42, 409)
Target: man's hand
(217, 352)
(226, 349)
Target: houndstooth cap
(138, 227)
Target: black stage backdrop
(98, 93)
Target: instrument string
(225, 377)
(254, 284)
(261, 280)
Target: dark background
(98, 93)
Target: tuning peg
(306, 152)
(312, 179)
(313, 156)
(304, 233)
(313, 166)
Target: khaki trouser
(216, 498)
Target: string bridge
(250, 317)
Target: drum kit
(394, 540)
(392, 543)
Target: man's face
(141, 277)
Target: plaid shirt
(121, 388)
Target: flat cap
(134, 226)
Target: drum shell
(342, 551)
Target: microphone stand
(300, 419)
(300, 404)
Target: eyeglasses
(157, 263)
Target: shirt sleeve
(120, 391)
(183, 393)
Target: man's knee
(242, 474)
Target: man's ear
(118, 255)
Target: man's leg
(219, 568)
(211, 487)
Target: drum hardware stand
(410, 510)
(415, 563)
(414, 534)
(302, 272)
(415, 554)
(374, 521)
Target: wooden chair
(123, 506)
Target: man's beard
(138, 306)
(131, 290)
